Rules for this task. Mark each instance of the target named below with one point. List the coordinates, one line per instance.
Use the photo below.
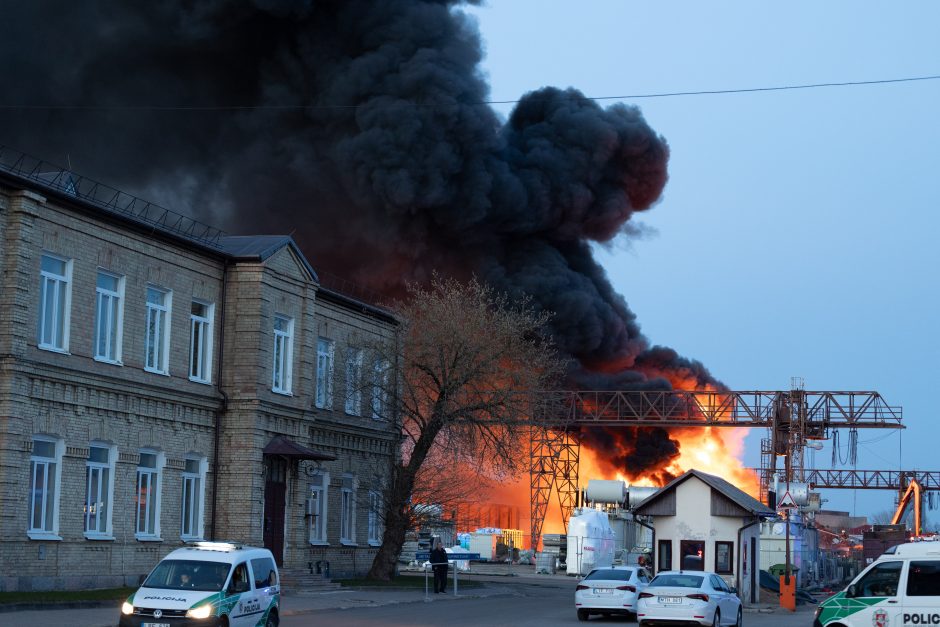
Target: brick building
(161, 382)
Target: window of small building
(724, 557)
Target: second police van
(208, 583)
(900, 589)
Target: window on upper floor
(193, 494)
(324, 395)
(317, 507)
(200, 341)
(55, 295)
(157, 330)
(347, 514)
(149, 475)
(354, 381)
(99, 490)
(381, 379)
(283, 354)
(45, 475)
(109, 317)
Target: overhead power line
(301, 107)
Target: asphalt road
(527, 606)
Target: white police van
(900, 589)
(208, 583)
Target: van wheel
(272, 620)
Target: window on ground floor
(99, 490)
(724, 557)
(193, 498)
(317, 508)
(149, 472)
(347, 518)
(45, 474)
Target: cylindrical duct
(606, 491)
(638, 494)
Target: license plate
(603, 590)
(155, 625)
(670, 600)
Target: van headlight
(202, 611)
(127, 608)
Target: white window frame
(95, 495)
(282, 371)
(324, 393)
(375, 518)
(381, 377)
(49, 496)
(109, 303)
(155, 483)
(206, 326)
(55, 291)
(353, 404)
(347, 511)
(160, 338)
(195, 482)
(317, 527)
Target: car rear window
(610, 574)
(678, 581)
(923, 579)
(265, 573)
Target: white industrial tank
(590, 542)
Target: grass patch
(407, 581)
(64, 596)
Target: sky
(796, 236)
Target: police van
(900, 589)
(208, 583)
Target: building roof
(260, 247)
(738, 496)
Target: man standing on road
(439, 565)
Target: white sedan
(610, 590)
(688, 597)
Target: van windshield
(188, 575)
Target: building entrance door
(275, 499)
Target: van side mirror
(851, 592)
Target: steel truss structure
(791, 416)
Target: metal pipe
(217, 432)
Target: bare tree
(467, 356)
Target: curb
(59, 605)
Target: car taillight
(583, 587)
(700, 597)
(627, 588)
(645, 595)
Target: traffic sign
(786, 502)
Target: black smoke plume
(358, 126)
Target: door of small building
(275, 500)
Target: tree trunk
(383, 566)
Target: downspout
(737, 571)
(217, 433)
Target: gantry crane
(791, 416)
(911, 485)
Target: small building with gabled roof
(702, 522)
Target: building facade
(702, 522)
(162, 383)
